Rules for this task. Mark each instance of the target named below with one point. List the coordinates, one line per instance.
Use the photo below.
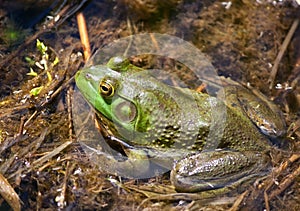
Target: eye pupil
(104, 88)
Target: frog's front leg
(136, 163)
(216, 169)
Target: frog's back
(229, 128)
(182, 118)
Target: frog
(205, 142)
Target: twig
(283, 185)
(84, 36)
(61, 199)
(154, 41)
(9, 194)
(51, 154)
(21, 128)
(131, 38)
(30, 118)
(281, 52)
(238, 201)
(69, 108)
(32, 147)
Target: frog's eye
(118, 63)
(106, 88)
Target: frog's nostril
(88, 76)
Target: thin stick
(281, 52)
(9, 194)
(286, 183)
(84, 36)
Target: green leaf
(29, 60)
(35, 91)
(32, 73)
(41, 46)
(55, 62)
(49, 76)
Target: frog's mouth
(110, 133)
(106, 126)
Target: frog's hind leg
(217, 169)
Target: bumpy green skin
(207, 143)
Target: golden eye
(106, 89)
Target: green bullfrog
(206, 142)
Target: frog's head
(113, 92)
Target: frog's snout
(77, 75)
(82, 75)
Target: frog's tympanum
(206, 142)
